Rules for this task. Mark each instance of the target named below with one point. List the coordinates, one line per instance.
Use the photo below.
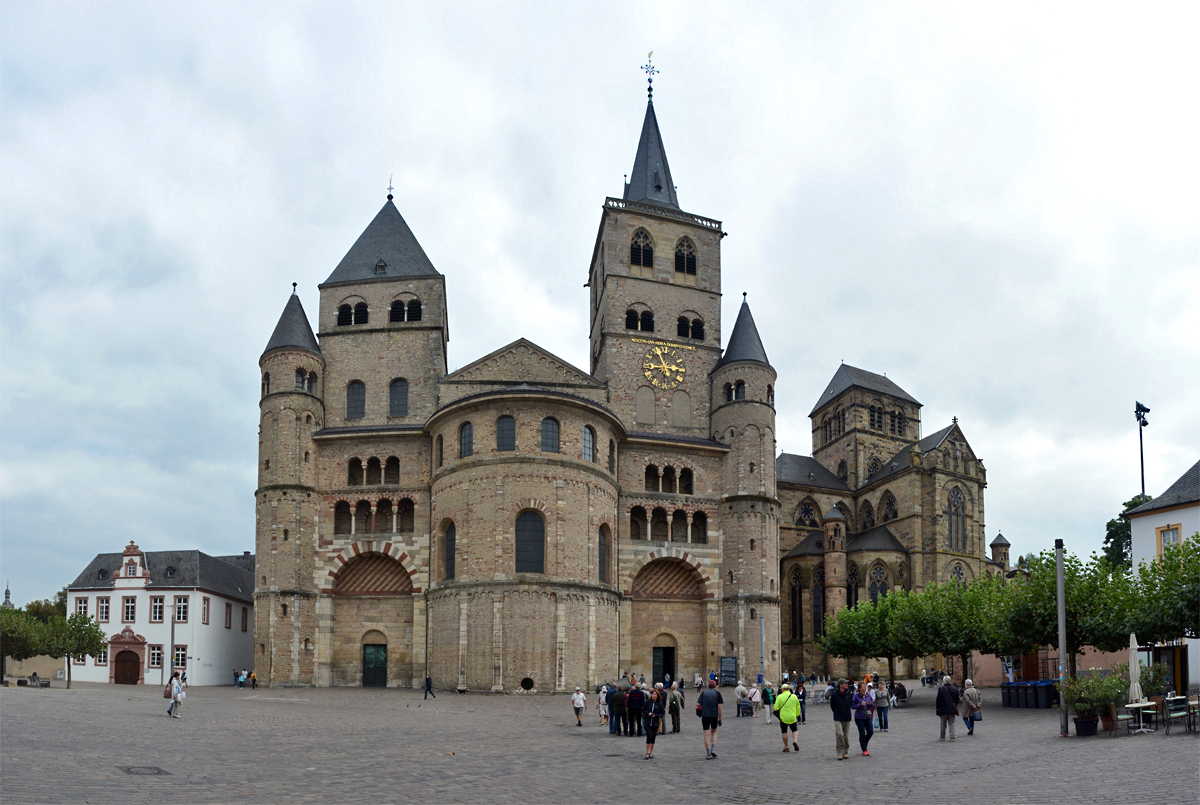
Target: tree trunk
(68, 672)
(1072, 656)
(891, 671)
(966, 664)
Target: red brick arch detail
(706, 580)
(362, 548)
(532, 503)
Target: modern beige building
(525, 524)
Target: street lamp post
(1140, 412)
(1062, 633)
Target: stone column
(498, 643)
(560, 664)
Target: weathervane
(390, 175)
(651, 71)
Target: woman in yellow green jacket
(787, 707)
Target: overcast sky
(997, 208)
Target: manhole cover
(141, 770)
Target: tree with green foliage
(1166, 597)
(1118, 539)
(76, 636)
(913, 632)
(21, 636)
(862, 631)
(46, 609)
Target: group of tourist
(632, 708)
(240, 678)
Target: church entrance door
(128, 668)
(374, 666)
(664, 663)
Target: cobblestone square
(391, 745)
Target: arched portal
(128, 668)
(668, 619)
(372, 636)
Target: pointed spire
(8, 604)
(293, 329)
(744, 343)
(386, 239)
(650, 179)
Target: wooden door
(128, 669)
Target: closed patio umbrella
(1135, 670)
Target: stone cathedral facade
(525, 524)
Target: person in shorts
(710, 717)
(602, 705)
(788, 708)
(579, 702)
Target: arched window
(668, 480)
(957, 573)
(825, 427)
(312, 383)
(957, 536)
(589, 444)
(659, 527)
(867, 516)
(602, 554)
(697, 329)
(301, 379)
(641, 249)
(637, 523)
(466, 440)
(892, 421)
(889, 508)
(852, 585)
(383, 516)
(374, 472)
(699, 528)
(685, 482)
(873, 468)
(341, 518)
(398, 397)
(730, 576)
(362, 517)
(685, 257)
(683, 327)
(818, 602)
(397, 311)
(739, 390)
(360, 313)
(879, 585)
(612, 456)
(843, 473)
(266, 384)
(679, 527)
(796, 603)
(753, 614)
(356, 400)
(506, 434)
(901, 424)
(631, 319)
(647, 321)
(345, 315)
(806, 516)
(450, 545)
(752, 544)
(651, 478)
(549, 435)
(438, 450)
(405, 512)
(531, 543)
(728, 392)
(391, 471)
(414, 310)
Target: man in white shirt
(579, 701)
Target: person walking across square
(947, 706)
(176, 689)
(602, 705)
(972, 701)
(710, 717)
(882, 703)
(788, 708)
(802, 695)
(841, 702)
(429, 686)
(579, 702)
(675, 706)
(864, 714)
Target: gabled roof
(847, 376)
(293, 329)
(389, 239)
(806, 471)
(1184, 491)
(522, 362)
(650, 179)
(744, 343)
(812, 545)
(879, 538)
(232, 577)
(901, 461)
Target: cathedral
(522, 524)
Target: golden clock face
(663, 367)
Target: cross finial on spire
(651, 71)
(390, 188)
(954, 420)
(743, 296)
(293, 289)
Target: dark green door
(664, 663)
(374, 666)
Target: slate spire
(650, 179)
(387, 249)
(293, 329)
(744, 343)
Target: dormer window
(131, 569)
(102, 574)
(381, 267)
(170, 572)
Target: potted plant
(1088, 697)
(1118, 680)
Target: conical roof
(744, 342)
(650, 179)
(1000, 540)
(387, 240)
(293, 329)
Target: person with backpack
(633, 705)
(708, 707)
(788, 708)
(175, 693)
(675, 707)
(768, 697)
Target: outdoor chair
(1155, 712)
(1128, 719)
(1174, 709)
(902, 697)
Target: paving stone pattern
(389, 745)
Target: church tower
(743, 417)
(655, 302)
(290, 411)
